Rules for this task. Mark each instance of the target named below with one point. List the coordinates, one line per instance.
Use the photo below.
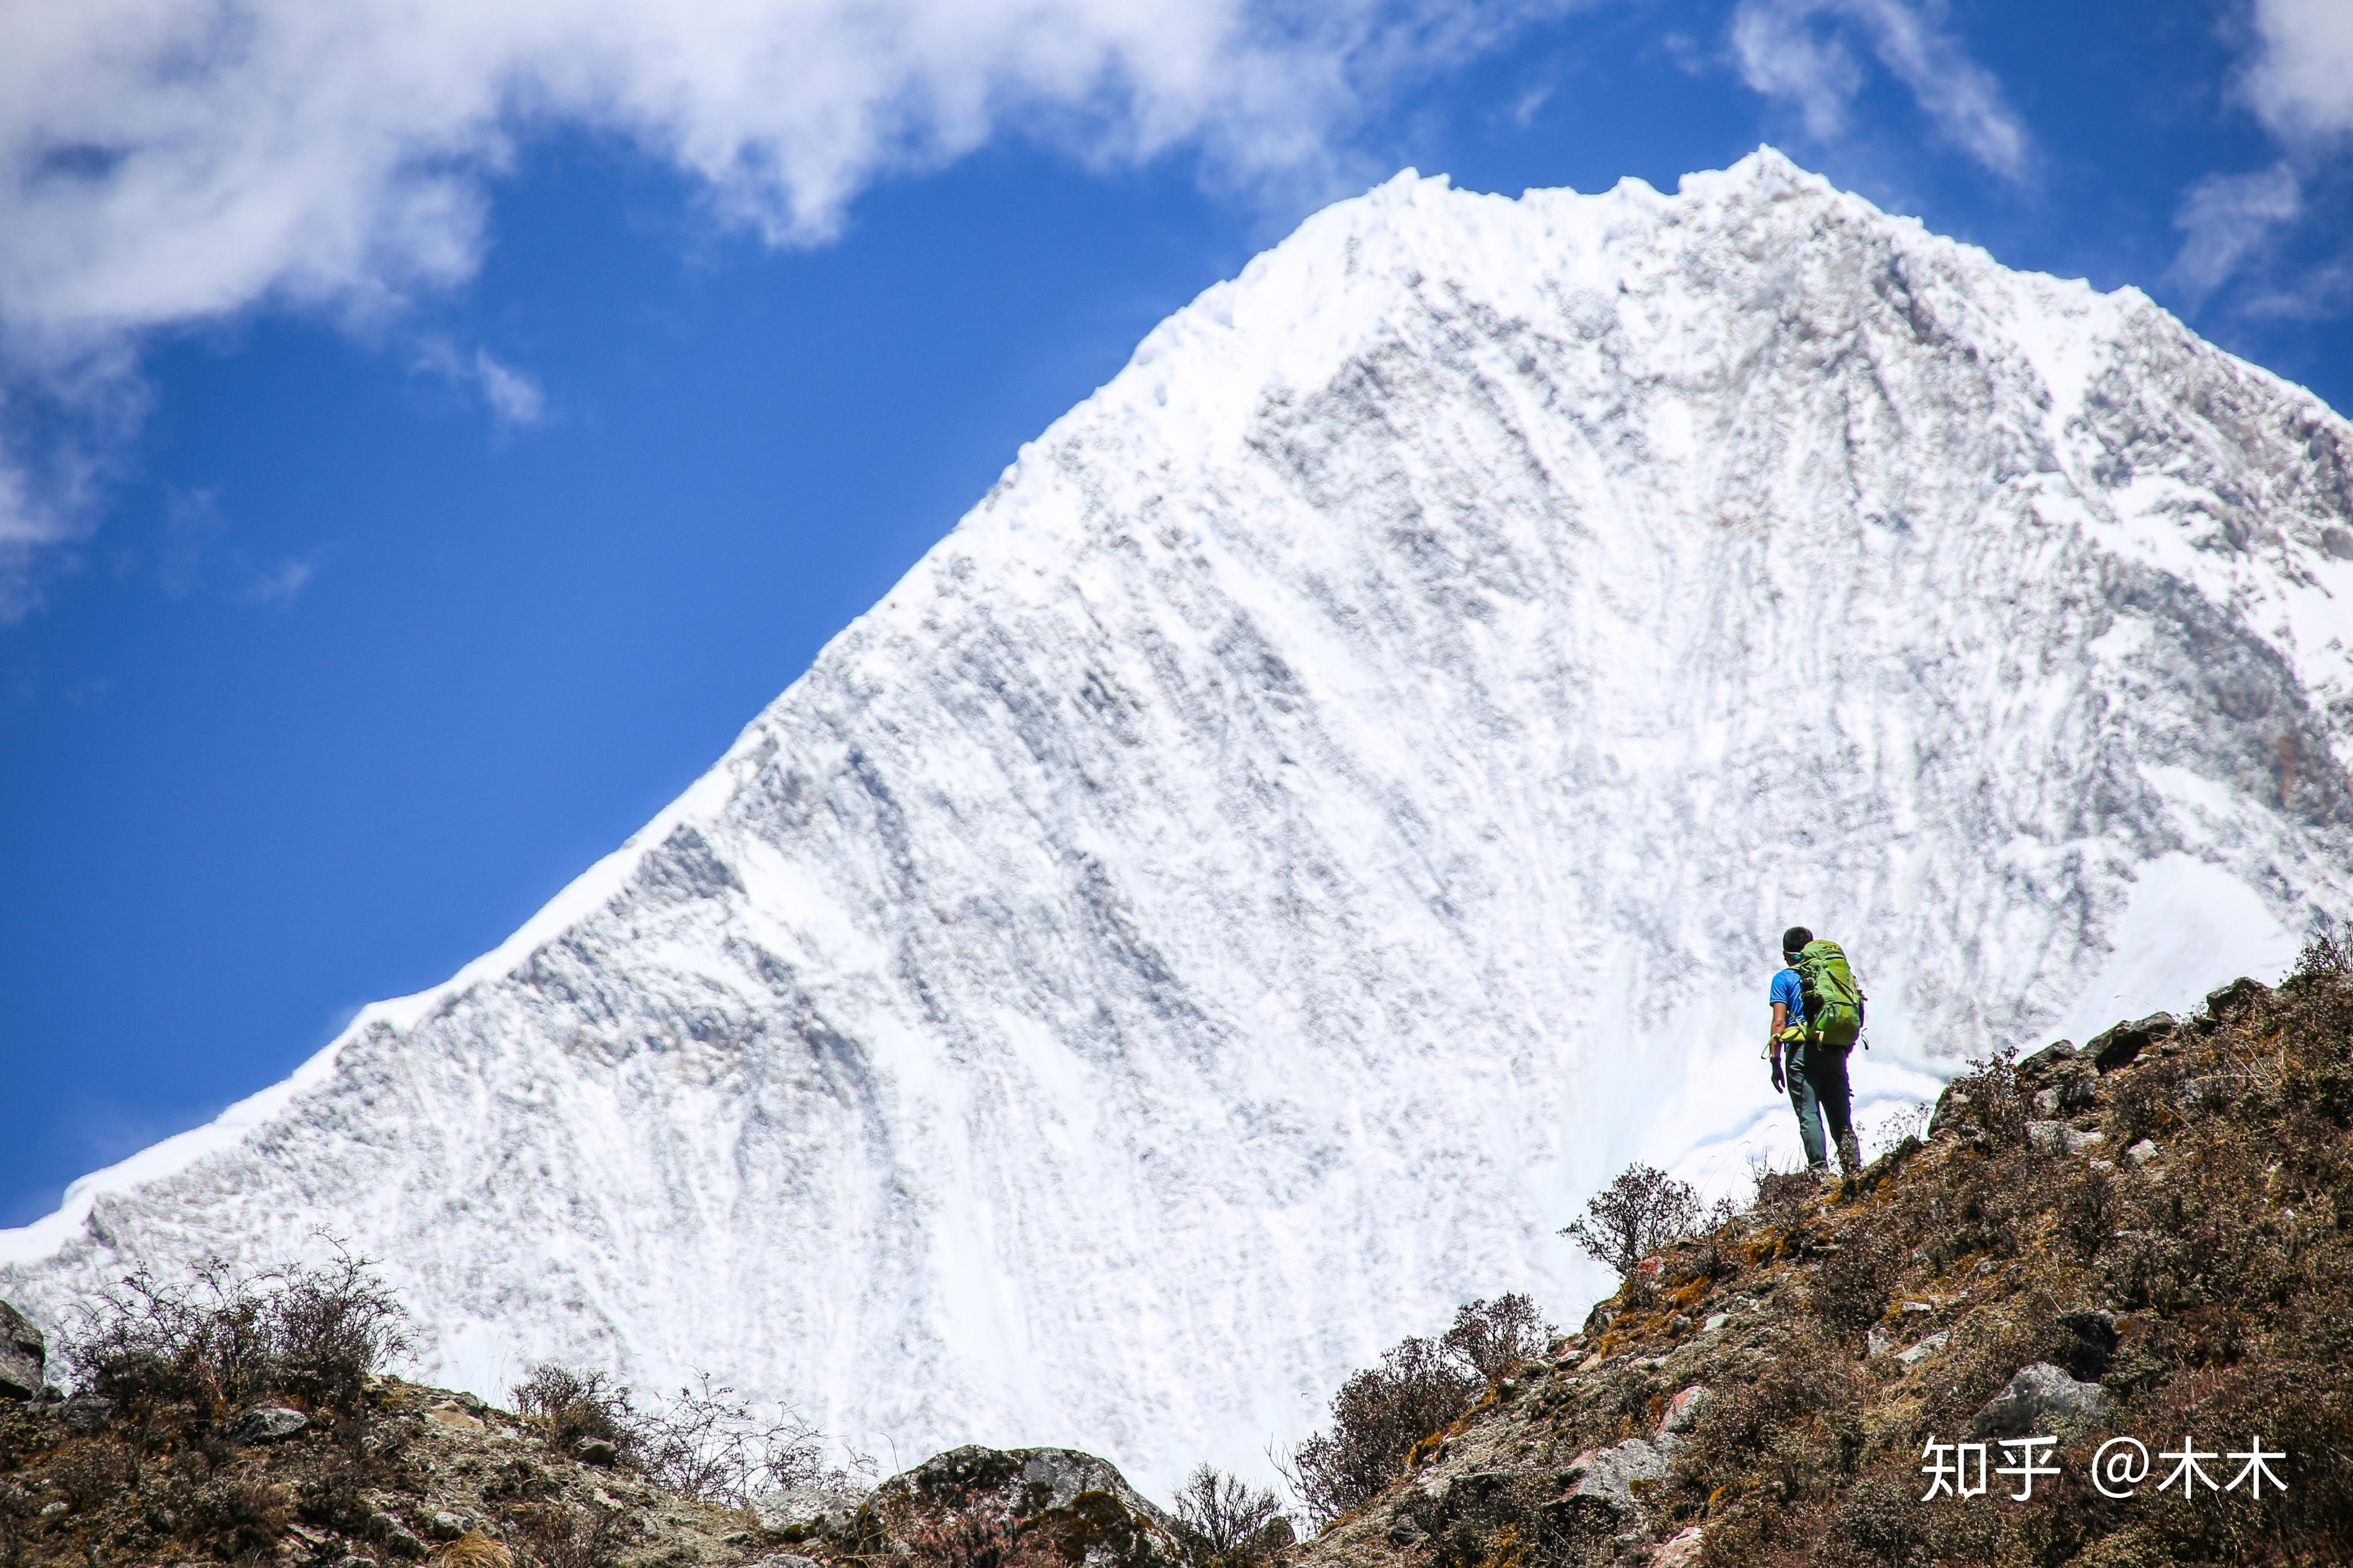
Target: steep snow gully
(1329, 806)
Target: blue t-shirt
(1786, 988)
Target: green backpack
(1833, 1000)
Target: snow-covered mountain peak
(1332, 804)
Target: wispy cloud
(162, 165)
(2225, 218)
(1803, 52)
(196, 555)
(514, 398)
(275, 586)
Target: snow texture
(1334, 803)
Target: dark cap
(1794, 939)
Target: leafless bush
(2143, 1105)
(1635, 1216)
(1780, 1198)
(706, 1443)
(1988, 1102)
(2329, 956)
(556, 1536)
(224, 1338)
(1893, 1130)
(1496, 1339)
(569, 1404)
(2090, 1207)
(1227, 1523)
(1377, 1418)
(710, 1445)
(239, 1516)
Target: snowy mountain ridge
(1331, 804)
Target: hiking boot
(1849, 1149)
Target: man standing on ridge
(1817, 1014)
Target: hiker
(1817, 1014)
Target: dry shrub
(1227, 1523)
(2144, 1104)
(1850, 1286)
(1421, 1386)
(1641, 1212)
(1983, 1207)
(1377, 1417)
(707, 1444)
(711, 1446)
(1797, 1430)
(235, 1516)
(474, 1550)
(1880, 1523)
(202, 1349)
(1496, 1339)
(2091, 1207)
(569, 1405)
(1988, 1104)
(557, 1536)
(1781, 1199)
(91, 1474)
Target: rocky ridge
(426, 1475)
(2148, 1238)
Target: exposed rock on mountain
(1331, 804)
(23, 1355)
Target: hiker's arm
(1780, 1022)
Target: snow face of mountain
(1334, 802)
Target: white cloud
(1802, 51)
(2300, 81)
(276, 584)
(514, 398)
(2298, 78)
(2226, 218)
(163, 162)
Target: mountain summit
(1334, 802)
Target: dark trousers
(1818, 1090)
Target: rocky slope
(1331, 804)
(2145, 1240)
(412, 1473)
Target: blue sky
(427, 435)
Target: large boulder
(2226, 1003)
(1614, 1476)
(2123, 1045)
(23, 1355)
(2049, 1059)
(801, 1512)
(2044, 1401)
(1080, 1505)
(271, 1424)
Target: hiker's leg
(1803, 1099)
(1828, 1074)
(1838, 1106)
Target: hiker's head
(1794, 939)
